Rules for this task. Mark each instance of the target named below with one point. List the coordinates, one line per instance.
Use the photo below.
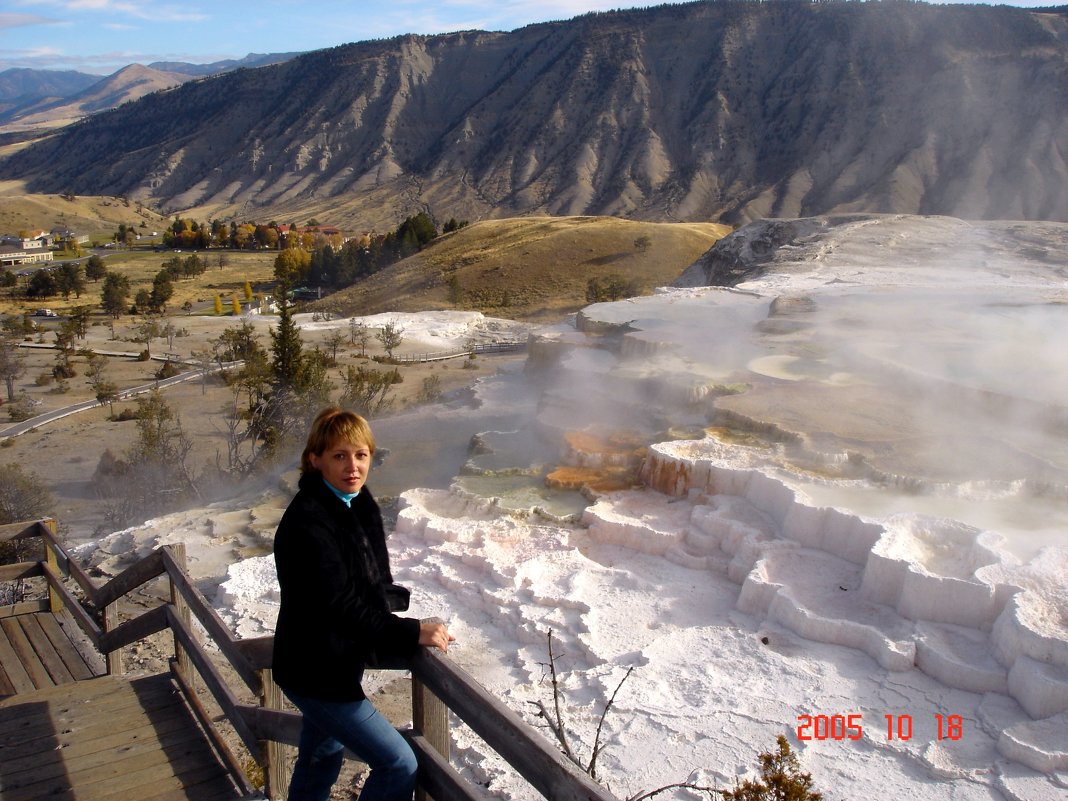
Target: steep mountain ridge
(31, 99)
(130, 83)
(688, 112)
(22, 85)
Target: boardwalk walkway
(107, 739)
(68, 733)
(158, 737)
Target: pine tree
(286, 345)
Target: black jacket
(333, 570)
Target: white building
(16, 256)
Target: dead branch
(555, 723)
(591, 769)
(711, 791)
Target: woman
(337, 602)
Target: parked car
(45, 313)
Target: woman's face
(344, 465)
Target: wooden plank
(26, 653)
(22, 721)
(210, 620)
(74, 693)
(258, 651)
(214, 681)
(128, 737)
(193, 792)
(279, 725)
(45, 650)
(130, 579)
(24, 608)
(52, 554)
(541, 764)
(207, 725)
(21, 679)
(14, 531)
(84, 741)
(131, 631)
(71, 655)
(32, 768)
(6, 687)
(80, 641)
(203, 791)
(437, 778)
(133, 740)
(276, 755)
(19, 570)
(122, 780)
(74, 607)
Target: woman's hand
(435, 635)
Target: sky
(102, 36)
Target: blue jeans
(332, 726)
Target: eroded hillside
(687, 112)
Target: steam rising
(852, 500)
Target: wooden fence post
(275, 754)
(181, 609)
(112, 659)
(430, 718)
(55, 600)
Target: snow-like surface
(791, 552)
(433, 330)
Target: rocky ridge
(697, 111)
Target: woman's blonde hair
(334, 424)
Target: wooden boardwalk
(38, 650)
(69, 735)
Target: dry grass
(530, 268)
(526, 268)
(142, 266)
(98, 217)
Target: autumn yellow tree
(236, 306)
(291, 266)
(218, 305)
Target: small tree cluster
(610, 288)
(23, 496)
(154, 475)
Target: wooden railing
(266, 729)
(456, 353)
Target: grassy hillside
(98, 217)
(522, 268)
(529, 268)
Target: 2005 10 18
(851, 727)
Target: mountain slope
(529, 268)
(20, 85)
(129, 83)
(215, 67)
(731, 109)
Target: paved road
(57, 414)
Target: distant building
(305, 293)
(59, 234)
(17, 256)
(37, 240)
(261, 305)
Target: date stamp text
(851, 727)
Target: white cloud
(157, 12)
(23, 20)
